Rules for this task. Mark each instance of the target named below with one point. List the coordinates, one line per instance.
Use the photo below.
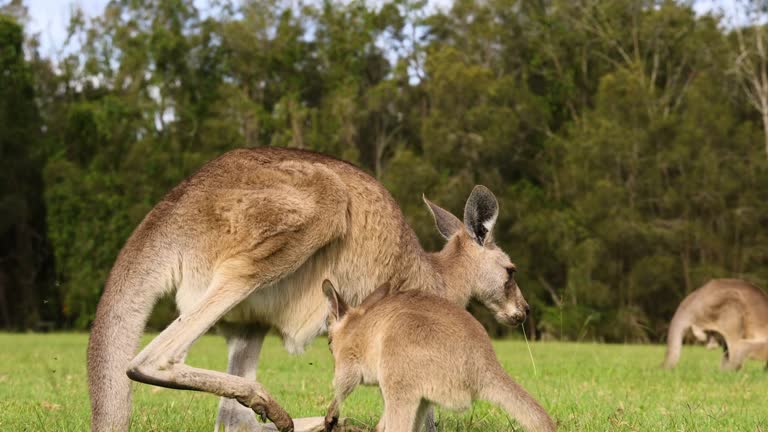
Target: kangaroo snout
(523, 315)
(514, 315)
(517, 319)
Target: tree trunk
(765, 129)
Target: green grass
(586, 387)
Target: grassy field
(586, 387)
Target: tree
(750, 64)
(25, 285)
(615, 133)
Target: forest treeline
(625, 139)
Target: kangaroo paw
(269, 410)
(330, 423)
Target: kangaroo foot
(330, 423)
(270, 410)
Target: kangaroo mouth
(512, 320)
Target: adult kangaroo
(731, 310)
(248, 240)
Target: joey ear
(480, 213)
(446, 222)
(338, 307)
(378, 294)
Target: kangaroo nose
(527, 309)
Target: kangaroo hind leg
(244, 342)
(400, 415)
(266, 262)
(738, 352)
(402, 407)
(161, 362)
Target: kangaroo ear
(480, 214)
(338, 307)
(447, 223)
(378, 294)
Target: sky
(49, 17)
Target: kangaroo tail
(518, 403)
(122, 313)
(680, 323)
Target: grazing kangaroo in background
(420, 349)
(247, 240)
(730, 310)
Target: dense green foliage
(585, 387)
(24, 259)
(628, 161)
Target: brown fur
(732, 310)
(420, 349)
(247, 240)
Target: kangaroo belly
(452, 399)
(295, 305)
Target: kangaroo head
(471, 260)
